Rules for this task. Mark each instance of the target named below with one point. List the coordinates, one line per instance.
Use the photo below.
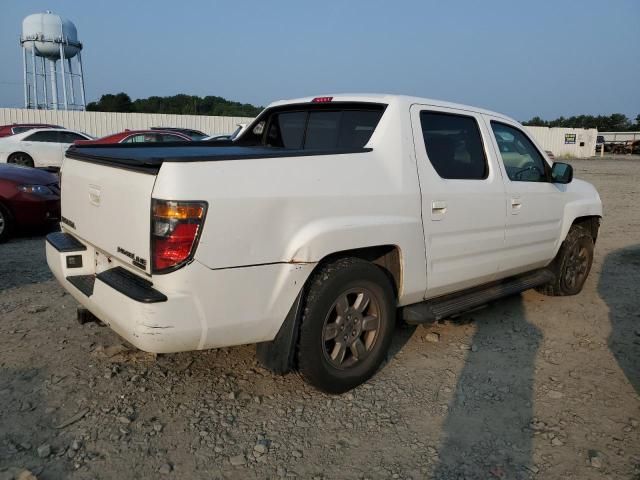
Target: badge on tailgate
(136, 260)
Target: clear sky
(522, 58)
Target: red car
(138, 136)
(8, 130)
(29, 198)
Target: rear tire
(572, 264)
(6, 224)
(347, 324)
(20, 158)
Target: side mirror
(561, 173)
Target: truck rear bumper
(190, 309)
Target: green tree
(616, 122)
(180, 104)
(120, 102)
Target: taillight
(175, 230)
(322, 100)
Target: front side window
(522, 160)
(454, 145)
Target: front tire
(572, 265)
(21, 158)
(6, 224)
(346, 326)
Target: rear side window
(167, 137)
(70, 137)
(142, 138)
(317, 128)
(44, 136)
(454, 145)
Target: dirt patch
(530, 387)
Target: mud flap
(278, 355)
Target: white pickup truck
(326, 220)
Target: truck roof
(389, 99)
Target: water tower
(49, 38)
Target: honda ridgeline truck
(327, 219)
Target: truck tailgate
(110, 208)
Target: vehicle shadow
(619, 287)
(23, 261)
(486, 433)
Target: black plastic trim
(151, 165)
(278, 355)
(63, 242)
(131, 285)
(84, 283)
(442, 307)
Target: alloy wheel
(577, 266)
(351, 328)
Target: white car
(309, 232)
(228, 136)
(40, 147)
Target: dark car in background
(29, 198)
(139, 136)
(189, 132)
(8, 130)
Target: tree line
(616, 122)
(211, 105)
(177, 104)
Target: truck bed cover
(146, 158)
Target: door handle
(516, 205)
(438, 209)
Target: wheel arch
(590, 223)
(10, 155)
(278, 355)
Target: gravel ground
(529, 387)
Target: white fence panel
(100, 124)
(620, 136)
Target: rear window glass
(21, 129)
(318, 128)
(287, 130)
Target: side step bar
(447, 305)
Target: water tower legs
(54, 84)
(44, 83)
(25, 78)
(64, 80)
(35, 78)
(84, 100)
(73, 97)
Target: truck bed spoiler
(148, 159)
